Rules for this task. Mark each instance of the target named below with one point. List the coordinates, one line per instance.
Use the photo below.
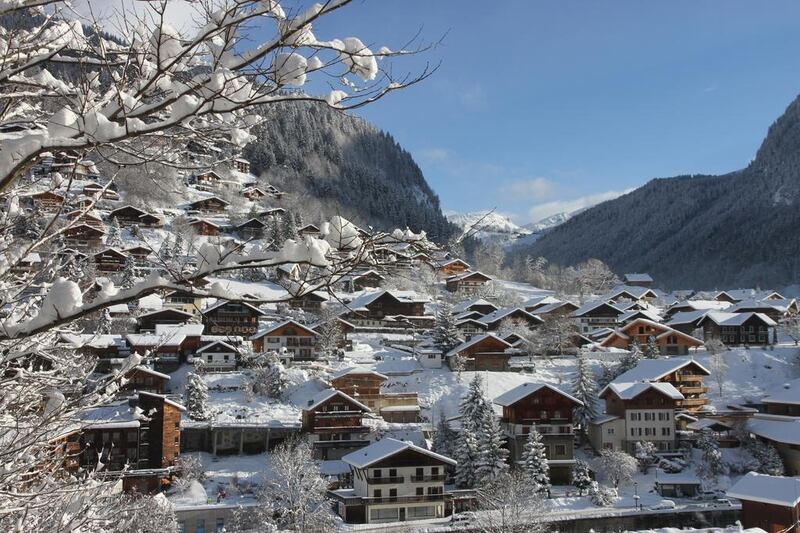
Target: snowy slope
(490, 225)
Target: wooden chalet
(452, 267)
(241, 165)
(84, 237)
(365, 385)
(670, 341)
(358, 281)
(139, 254)
(252, 229)
(129, 215)
(549, 410)
(208, 178)
(91, 218)
(481, 352)
(110, 260)
(232, 318)
(738, 328)
(770, 503)
(375, 307)
(334, 423)
(218, 356)
(518, 315)
(638, 280)
(141, 451)
(596, 315)
(253, 193)
(211, 204)
(93, 189)
(143, 379)
(47, 201)
(149, 321)
(480, 306)
(288, 336)
(204, 227)
(785, 400)
(467, 283)
(309, 229)
(345, 327)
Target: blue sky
(544, 106)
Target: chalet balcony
(406, 499)
(341, 429)
(428, 479)
(341, 443)
(385, 480)
(543, 429)
(692, 402)
(336, 414)
(692, 389)
(691, 377)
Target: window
(561, 450)
(181, 526)
(393, 493)
(610, 431)
(666, 432)
(420, 472)
(422, 512)
(220, 525)
(556, 414)
(392, 472)
(387, 515)
(376, 493)
(434, 470)
(420, 491)
(200, 526)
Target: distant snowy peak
(552, 221)
(487, 225)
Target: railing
(385, 480)
(692, 402)
(423, 479)
(693, 390)
(348, 429)
(406, 499)
(543, 429)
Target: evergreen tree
(767, 457)
(298, 220)
(584, 388)
(711, 465)
(128, 276)
(630, 359)
(270, 378)
(104, 322)
(445, 332)
(178, 247)
(651, 351)
(114, 237)
(466, 454)
(492, 455)
(444, 439)
(197, 398)
(288, 229)
(474, 404)
(165, 251)
(581, 478)
(534, 463)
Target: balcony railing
(425, 479)
(543, 429)
(406, 499)
(342, 429)
(385, 480)
(689, 389)
(692, 402)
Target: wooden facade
(486, 353)
(232, 318)
(669, 341)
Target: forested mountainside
(338, 163)
(703, 232)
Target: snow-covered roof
(655, 369)
(704, 305)
(386, 448)
(226, 302)
(781, 306)
(638, 278)
(630, 390)
(274, 327)
(118, 415)
(190, 330)
(781, 429)
(629, 290)
(649, 314)
(166, 310)
(465, 305)
(789, 393)
(357, 370)
(548, 308)
(164, 398)
(526, 389)
(541, 300)
(217, 344)
(363, 300)
(687, 317)
(474, 340)
(722, 318)
(706, 423)
(469, 274)
(150, 371)
(503, 312)
(591, 306)
(149, 339)
(604, 419)
(775, 490)
(325, 395)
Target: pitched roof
(540, 301)
(722, 318)
(789, 393)
(526, 389)
(386, 448)
(687, 317)
(474, 340)
(630, 390)
(629, 290)
(469, 274)
(226, 302)
(591, 306)
(355, 370)
(783, 429)
(465, 305)
(655, 369)
(272, 328)
(548, 308)
(503, 312)
(775, 490)
(215, 343)
(638, 278)
(663, 330)
(325, 395)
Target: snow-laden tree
(147, 95)
(492, 455)
(444, 439)
(509, 506)
(330, 333)
(268, 378)
(710, 466)
(584, 388)
(719, 370)
(651, 349)
(474, 404)
(293, 498)
(629, 359)
(601, 495)
(617, 467)
(105, 323)
(466, 454)
(128, 274)
(445, 332)
(791, 328)
(196, 397)
(580, 476)
(534, 463)
(767, 456)
(645, 453)
(114, 236)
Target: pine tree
(630, 359)
(474, 404)
(445, 332)
(767, 457)
(581, 478)
(114, 237)
(104, 322)
(270, 378)
(178, 247)
(652, 351)
(466, 454)
(197, 398)
(128, 276)
(288, 229)
(165, 250)
(534, 463)
(584, 388)
(445, 438)
(492, 455)
(711, 465)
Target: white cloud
(433, 154)
(537, 188)
(111, 14)
(544, 210)
(472, 95)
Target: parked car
(723, 501)
(707, 495)
(662, 505)
(463, 518)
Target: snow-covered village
(231, 301)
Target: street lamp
(636, 495)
